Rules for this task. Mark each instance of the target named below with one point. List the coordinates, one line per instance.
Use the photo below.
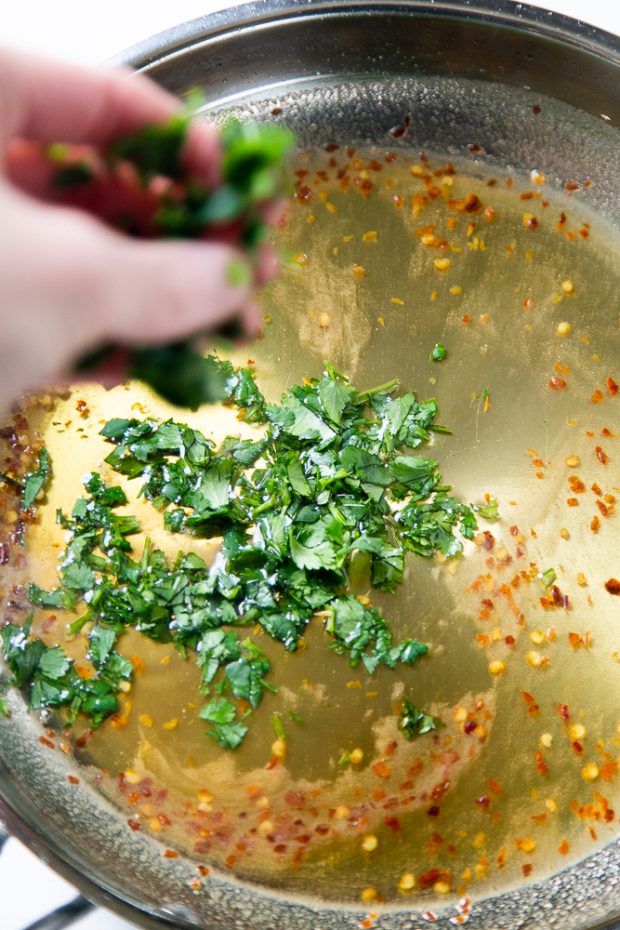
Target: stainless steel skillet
(348, 71)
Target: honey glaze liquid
(388, 256)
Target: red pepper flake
(541, 766)
(601, 455)
(564, 848)
(381, 770)
(612, 586)
(439, 790)
(564, 711)
(400, 131)
(536, 109)
(595, 524)
(556, 384)
(203, 870)
(171, 854)
(393, 823)
(559, 599)
(612, 387)
(295, 799)
(466, 319)
(134, 825)
(73, 780)
(495, 786)
(603, 508)
(430, 878)
(304, 194)
(580, 640)
(484, 801)
(433, 811)
(572, 502)
(470, 726)
(527, 869)
(577, 747)
(608, 771)
(597, 397)
(46, 742)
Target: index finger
(48, 101)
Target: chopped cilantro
(548, 577)
(278, 725)
(52, 680)
(439, 353)
(414, 722)
(489, 510)
(36, 480)
(327, 486)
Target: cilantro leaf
(229, 735)
(414, 722)
(36, 480)
(219, 710)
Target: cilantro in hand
(253, 172)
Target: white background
(90, 32)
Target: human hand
(68, 281)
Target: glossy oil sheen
(496, 309)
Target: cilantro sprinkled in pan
(414, 722)
(328, 487)
(35, 481)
